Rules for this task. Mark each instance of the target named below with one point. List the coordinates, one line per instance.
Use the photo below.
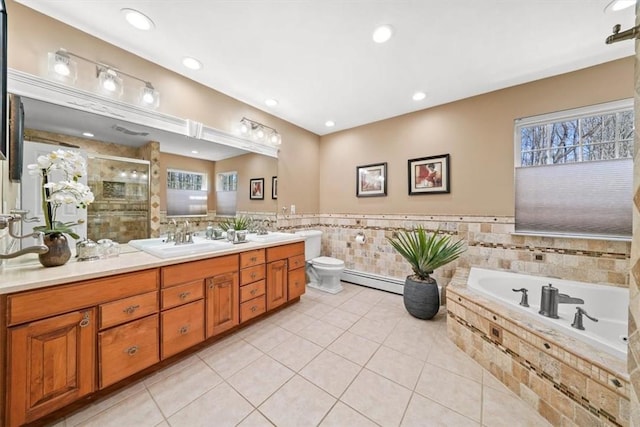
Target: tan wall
(251, 166)
(477, 132)
(32, 35)
(187, 164)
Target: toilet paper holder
(360, 237)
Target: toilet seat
(327, 262)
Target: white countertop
(26, 273)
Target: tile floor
(352, 359)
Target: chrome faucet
(264, 226)
(577, 319)
(551, 297)
(172, 227)
(184, 235)
(7, 221)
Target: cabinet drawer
(182, 327)
(127, 309)
(127, 349)
(252, 308)
(251, 258)
(297, 283)
(47, 302)
(296, 262)
(182, 294)
(190, 271)
(285, 251)
(251, 274)
(253, 290)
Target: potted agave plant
(425, 252)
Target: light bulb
(148, 98)
(62, 67)
(382, 34)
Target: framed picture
(256, 189)
(274, 187)
(428, 175)
(371, 180)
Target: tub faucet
(577, 319)
(551, 297)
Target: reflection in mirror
(112, 137)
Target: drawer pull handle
(254, 308)
(253, 275)
(183, 330)
(131, 309)
(132, 350)
(253, 259)
(85, 320)
(184, 295)
(253, 291)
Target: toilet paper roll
(361, 239)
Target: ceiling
(317, 57)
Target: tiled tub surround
(567, 381)
(491, 244)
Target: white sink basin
(271, 237)
(159, 248)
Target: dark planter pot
(59, 252)
(421, 298)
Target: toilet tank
(312, 244)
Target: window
(226, 193)
(574, 172)
(186, 193)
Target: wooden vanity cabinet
(51, 363)
(285, 274)
(252, 284)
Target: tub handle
(524, 301)
(577, 319)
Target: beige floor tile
(342, 319)
(318, 310)
(171, 370)
(222, 406)
(447, 355)
(417, 344)
(396, 366)
(356, 307)
(341, 416)
(104, 404)
(459, 393)
(297, 403)
(321, 333)
(60, 423)
(176, 391)
(268, 337)
(255, 419)
(137, 410)
(295, 352)
(368, 295)
(490, 381)
(354, 348)
(260, 379)
(381, 399)
(500, 409)
(423, 412)
(331, 372)
(294, 321)
(229, 360)
(163, 424)
(374, 330)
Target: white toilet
(323, 272)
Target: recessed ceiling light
(137, 19)
(88, 134)
(382, 34)
(191, 63)
(618, 5)
(194, 151)
(329, 123)
(419, 96)
(271, 102)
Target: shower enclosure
(120, 211)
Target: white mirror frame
(28, 85)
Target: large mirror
(129, 166)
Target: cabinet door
(222, 303)
(51, 364)
(297, 283)
(277, 273)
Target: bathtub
(608, 304)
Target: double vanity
(74, 333)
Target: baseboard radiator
(376, 281)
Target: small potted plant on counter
(425, 252)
